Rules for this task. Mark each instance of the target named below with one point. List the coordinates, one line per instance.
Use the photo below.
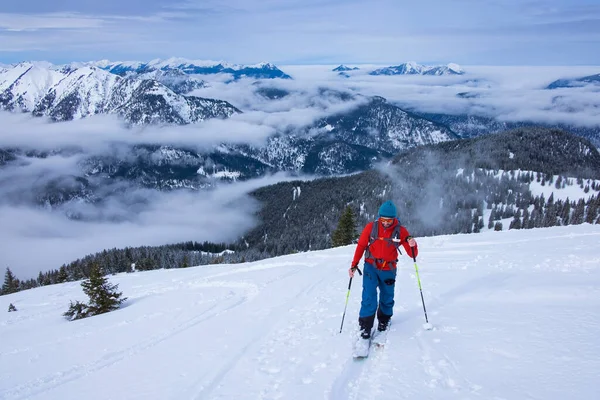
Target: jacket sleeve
(363, 242)
(403, 236)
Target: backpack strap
(393, 241)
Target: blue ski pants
(374, 278)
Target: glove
(411, 241)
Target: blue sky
(469, 32)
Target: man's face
(386, 222)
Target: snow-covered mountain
(343, 68)
(577, 82)
(347, 142)
(71, 92)
(262, 70)
(175, 79)
(412, 68)
(384, 126)
(514, 316)
(22, 86)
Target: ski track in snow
(54, 380)
(510, 315)
(206, 388)
(268, 346)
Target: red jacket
(382, 249)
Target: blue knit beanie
(387, 209)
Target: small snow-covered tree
(77, 310)
(102, 294)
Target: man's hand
(352, 270)
(411, 241)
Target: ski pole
(347, 297)
(427, 325)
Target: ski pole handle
(357, 269)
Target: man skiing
(380, 240)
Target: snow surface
(515, 316)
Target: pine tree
(11, 283)
(550, 214)
(492, 218)
(516, 222)
(476, 224)
(103, 295)
(62, 276)
(559, 182)
(345, 232)
(578, 213)
(592, 211)
(525, 223)
(566, 213)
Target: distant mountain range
(412, 68)
(156, 92)
(409, 68)
(343, 68)
(263, 70)
(577, 82)
(65, 93)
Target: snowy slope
(515, 316)
(24, 85)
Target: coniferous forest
(454, 187)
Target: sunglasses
(386, 220)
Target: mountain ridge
(73, 93)
(263, 70)
(413, 68)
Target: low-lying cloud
(34, 239)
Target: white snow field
(516, 315)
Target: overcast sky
(483, 32)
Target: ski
(380, 338)
(361, 348)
